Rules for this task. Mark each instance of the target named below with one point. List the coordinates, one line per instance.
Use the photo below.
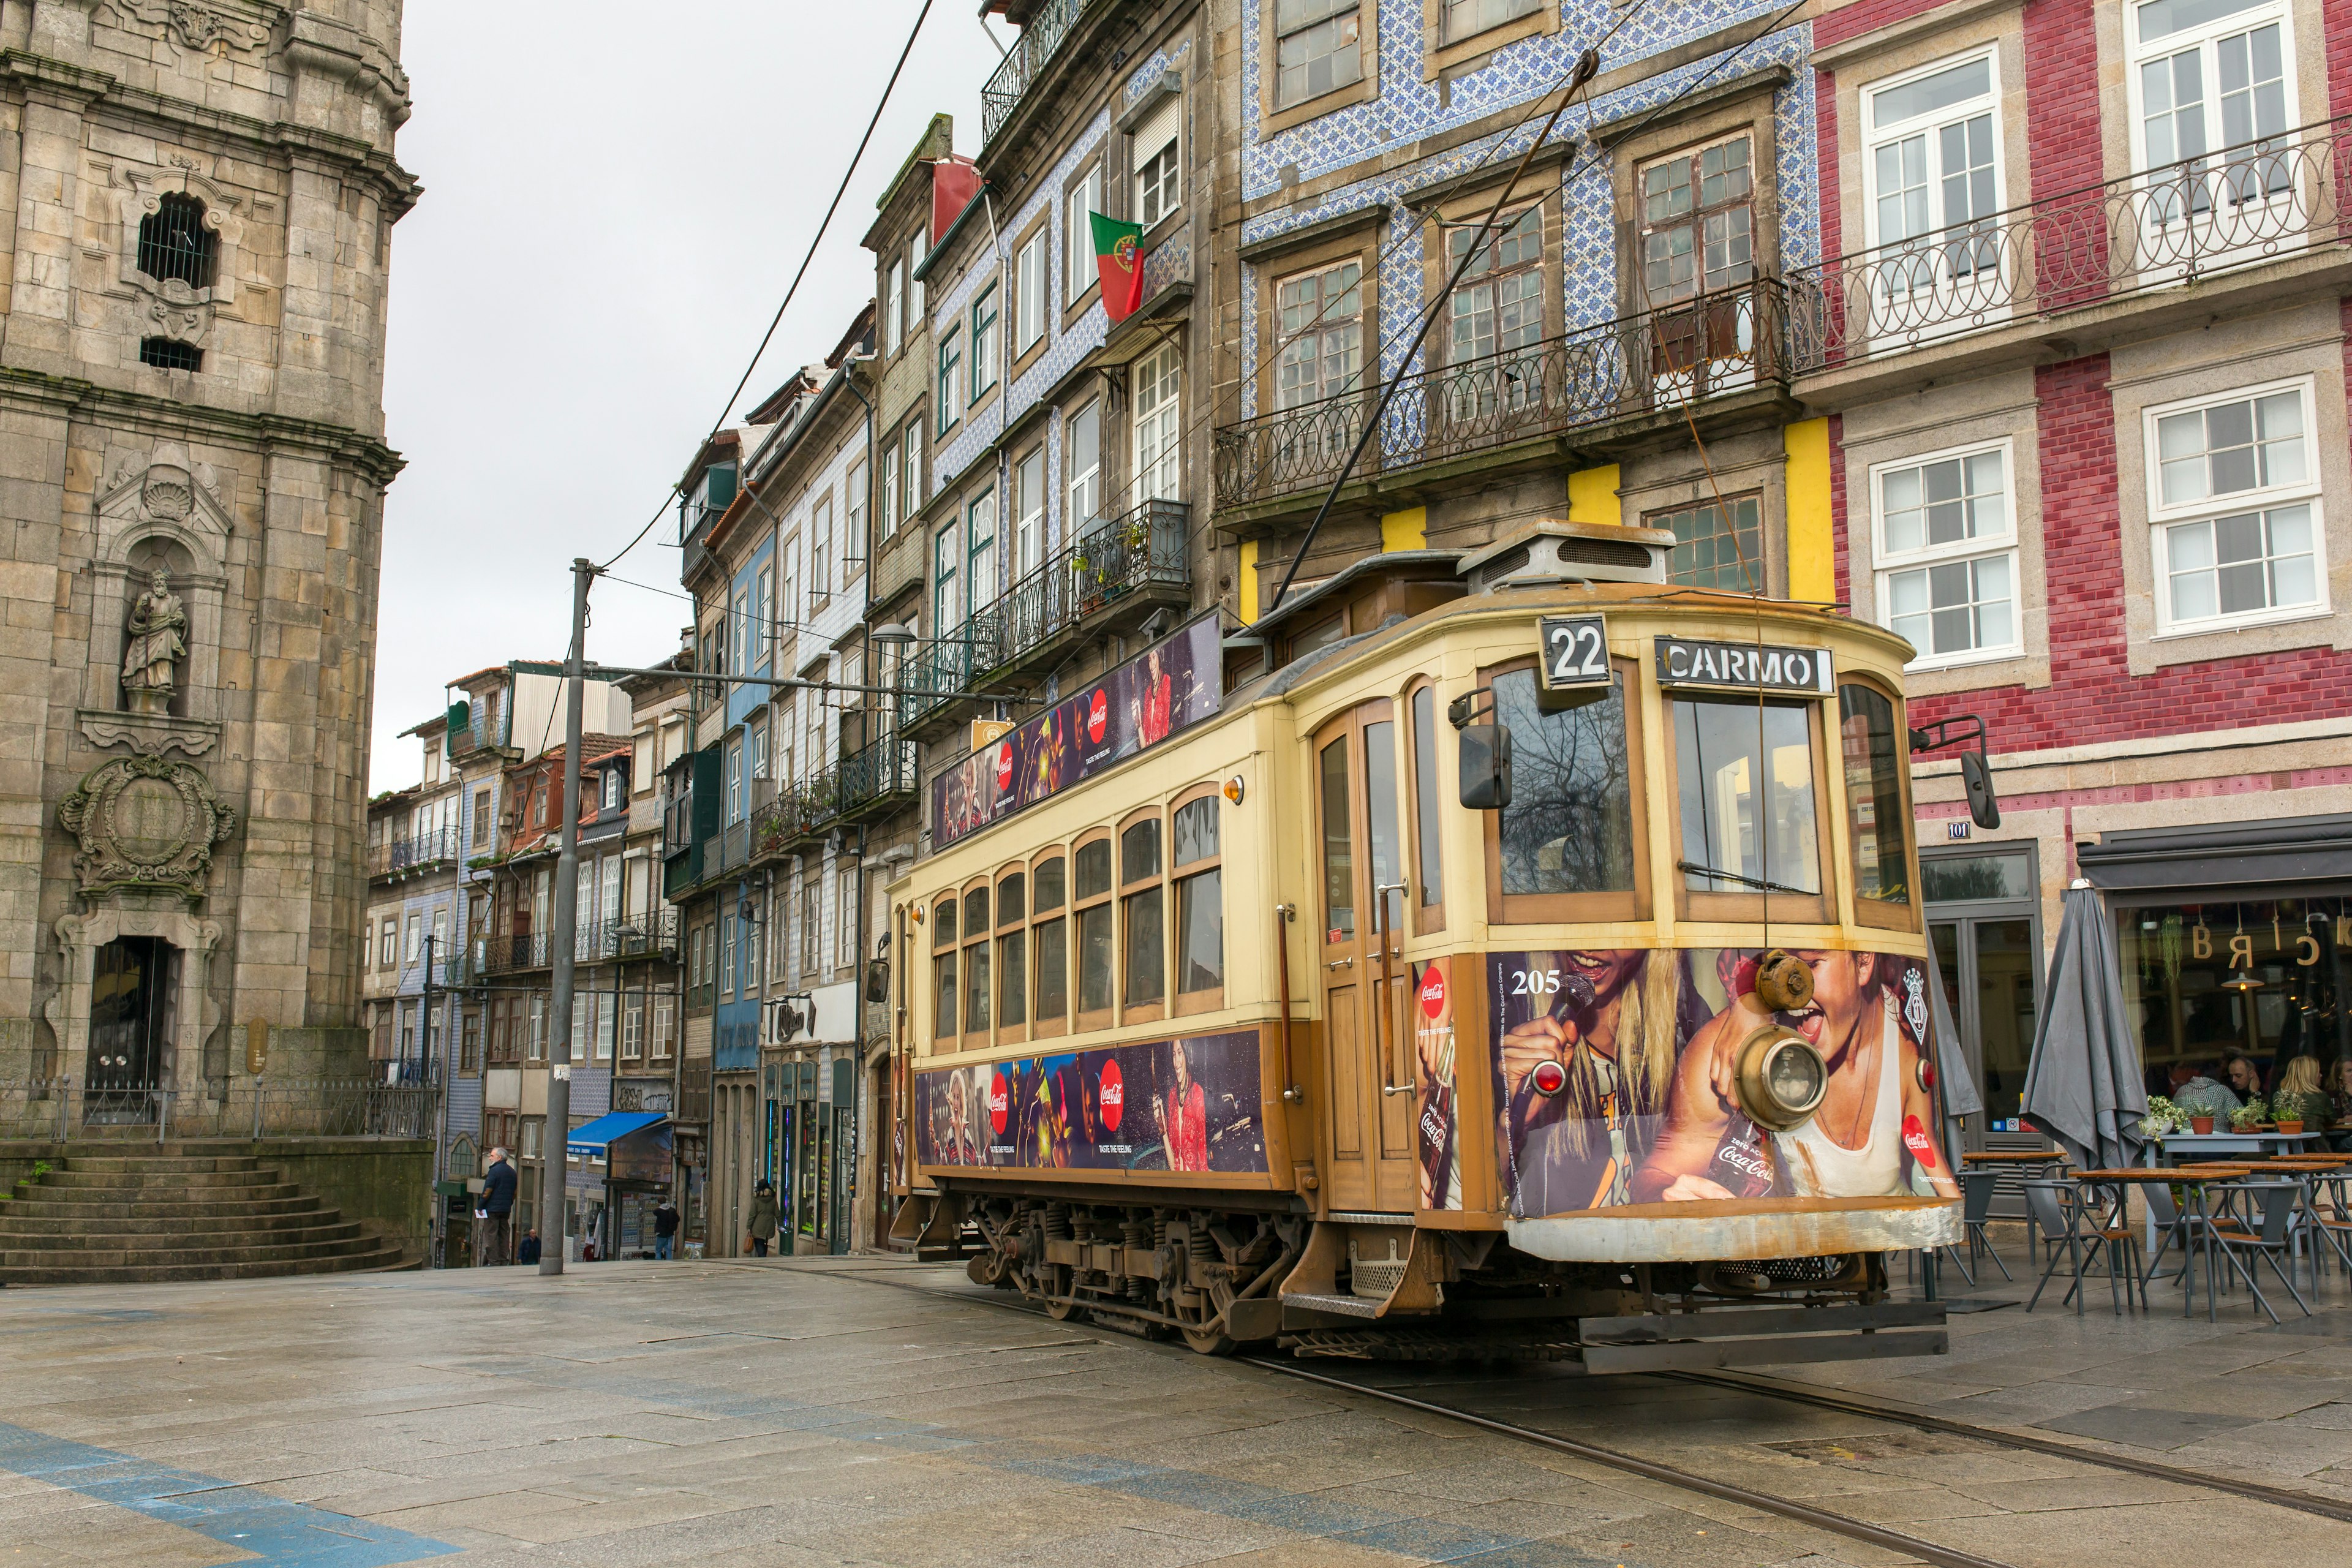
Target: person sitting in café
(2245, 1079)
(2340, 1091)
(2196, 1092)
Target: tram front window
(1570, 825)
(1874, 794)
(1723, 753)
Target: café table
(2198, 1180)
(2178, 1146)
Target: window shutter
(1158, 128)
(460, 721)
(722, 485)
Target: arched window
(173, 243)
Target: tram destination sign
(1745, 666)
(1176, 682)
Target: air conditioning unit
(1546, 554)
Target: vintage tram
(1525, 956)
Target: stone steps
(141, 1214)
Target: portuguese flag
(1122, 267)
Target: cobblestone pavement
(804, 1412)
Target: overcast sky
(614, 202)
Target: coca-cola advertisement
(1616, 1074)
(1169, 686)
(1435, 1134)
(1166, 1105)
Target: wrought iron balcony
(872, 779)
(521, 950)
(1729, 340)
(399, 857)
(1141, 553)
(654, 933)
(1041, 37)
(2180, 224)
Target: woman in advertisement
(1610, 1023)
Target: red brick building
(2084, 336)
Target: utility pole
(555, 1158)
(425, 1077)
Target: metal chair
(1976, 1211)
(2059, 1212)
(2274, 1240)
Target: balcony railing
(2259, 201)
(521, 950)
(428, 848)
(1727, 340)
(1142, 549)
(883, 771)
(1047, 25)
(651, 933)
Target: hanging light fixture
(2242, 981)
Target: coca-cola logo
(1740, 1159)
(1433, 992)
(1111, 1097)
(1004, 766)
(999, 1101)
(1098, 716)
(1916, 1139)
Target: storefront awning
(590, 1142)
(2277, 858)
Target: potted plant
(2249, 1117)
(2294, 1111)
(2163, 1117)
(2200, 1123)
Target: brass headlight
(1782, 1077)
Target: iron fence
(427, 848)
(1041, 37)
(1725, 341)
(62, 1108)
(2165, 228)
(878, 772)
(520, 950)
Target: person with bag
(762, 1226)
(495, 1209)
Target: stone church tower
(197, 204)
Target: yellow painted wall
(1406, 530)
(1246, 582)
(1813, 531)
(1592, 496)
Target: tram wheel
(1062, 1312)
(1207, 1342)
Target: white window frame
(764, 616)
(2162, 518)
(1078, 269)
(1030, 290)
(1029, 485)
(893, 308)
(947, 563)
(845, 922)
(1158, 187)
(980, 551)
(887, 501)
(1159, 428)
(820, 586)
(1083, 493)
(2137, 53)
(1934, 267)
(1885, 563)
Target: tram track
(1674, 1475)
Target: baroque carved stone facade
(196, 200)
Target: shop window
(943, 973)
(1050, 934)
(1012, 954)
(1947, 556)
(1877, 816)
(1195, 861)
(1091, 908)
(1750, 825)
(1143, 920)
(976, 999)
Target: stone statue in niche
(158, 641)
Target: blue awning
(590, 1140)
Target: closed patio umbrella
(2082, 1086)
(1962, 1098)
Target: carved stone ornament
(145, 822)
(195, 26)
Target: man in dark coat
(495, 1211)
(664, 1227)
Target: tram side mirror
(1976, 773)
(1485, 767)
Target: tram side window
(1725, 754)
(943, 966)
(975, 965)
(1143, 913)
(1338, 845)
(1429, 868)
(1569, 828)
(1093, 912)
(1875, 813)
(1199, 900)
(1050, 938)
(1011, 952)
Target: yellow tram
(1526, 953)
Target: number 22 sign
(1575, 651)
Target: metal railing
(64, 1108)
(881, 771)
(1142, 548)
(518, 950)
(1041, 35)
(1730, 340)
(645, 934)
(425, 849)
(2168, 228)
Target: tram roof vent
(1543, 553)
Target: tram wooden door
(1368, 1103)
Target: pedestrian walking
(762, 1224)
(529, 1251)
(665, 1228)
(495, 1211)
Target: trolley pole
(554, 1155)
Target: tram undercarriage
(1221, 1279)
